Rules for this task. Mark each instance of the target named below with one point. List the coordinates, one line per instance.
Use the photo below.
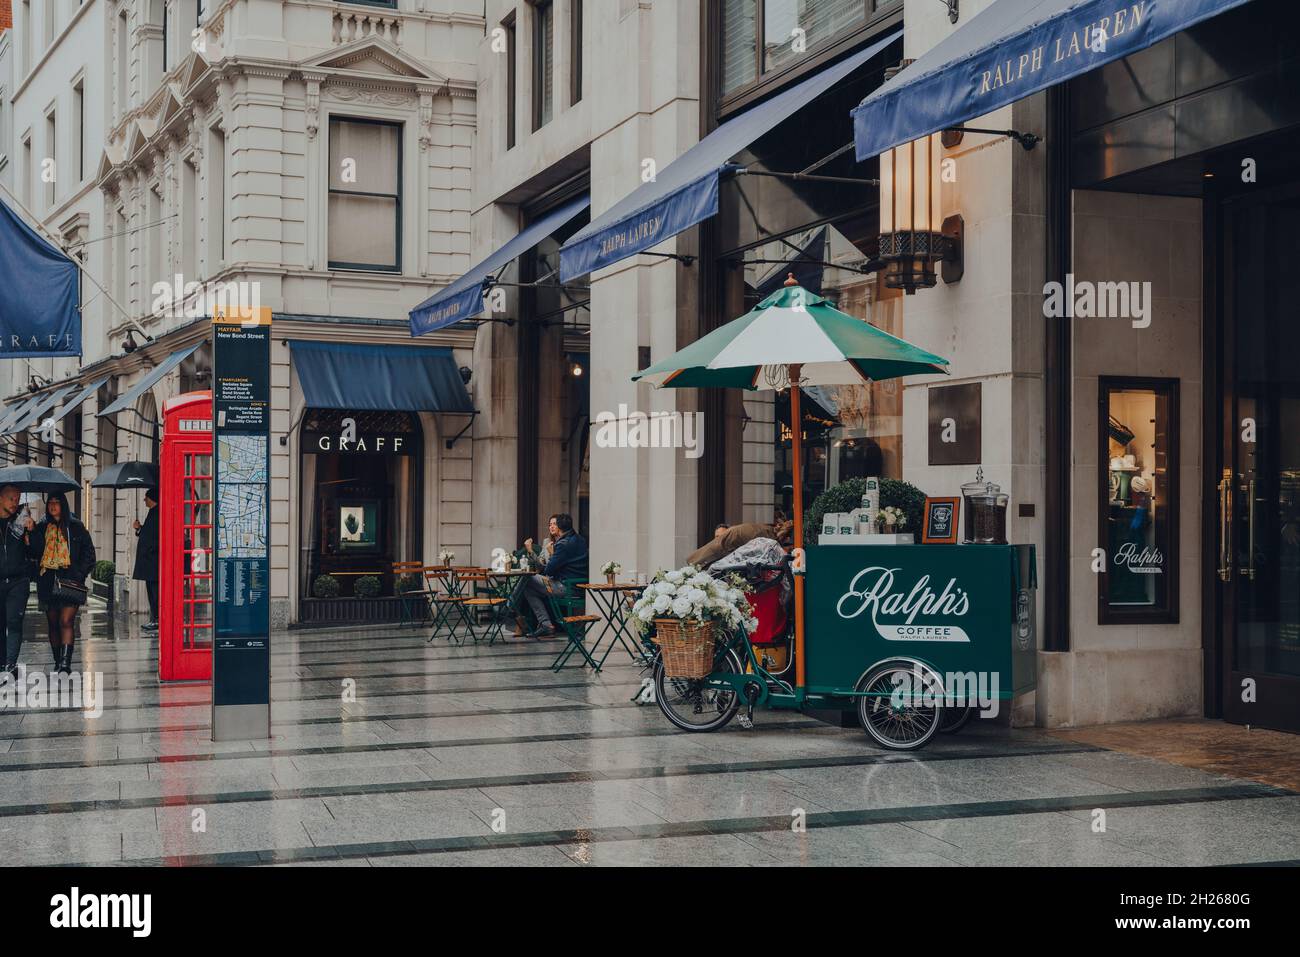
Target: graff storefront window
(362, 496)
(1138, 475)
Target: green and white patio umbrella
(792, 327)
(792, 336)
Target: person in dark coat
(62, 549)
(15, 574)
(146, 556)
(568, 560)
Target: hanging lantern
(913, 234)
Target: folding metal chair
(445, 597)
(418, 597)
(575, 626)
(474, 585)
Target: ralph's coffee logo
(1147, 561)
(900, 614)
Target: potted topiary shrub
(103, 572)
(845, 497)
(367, 586)
(325, 586)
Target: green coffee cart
(910, 636)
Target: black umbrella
(128, 475)
(37, 478)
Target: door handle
(1250, 530)
(1225, 526)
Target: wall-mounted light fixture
(913, 234)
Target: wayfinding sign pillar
(241, 426)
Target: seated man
(732, 537)
(568, 560)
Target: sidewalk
(1269, 757)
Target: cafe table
(610, 601)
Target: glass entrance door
(1259, 487)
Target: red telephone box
(185, 559)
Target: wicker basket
(687, 647)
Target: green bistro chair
(481, 599)
(568, 611)
(415, 599)
(447, 602)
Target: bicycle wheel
(691, 704)
(889, 712)
(955, 718)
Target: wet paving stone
(463, 756)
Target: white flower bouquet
(892, 518)
(688, 594)
(611, 568)
(446, 557)
(684, 606)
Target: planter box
(871, 538)
(352, 610)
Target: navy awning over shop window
(32, 416)
(463, 299)
(344, 375)
(1010, 50)
(40, 312)
(148, 381)
(686, 191)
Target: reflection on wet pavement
(482, 756)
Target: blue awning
(686, 191)
(343, 375)
(148, 381)
(1010, 50)
(33, 415)
(40, 294)
(463, 299)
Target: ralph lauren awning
(148, 381)
(463, 299)
(1010, 50)
(68, 406)
(686, 191)
(32, 416)
(343, 375)
(40, 311)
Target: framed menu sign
(939, 524)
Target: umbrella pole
(796, 454)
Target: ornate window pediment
(373, 57)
